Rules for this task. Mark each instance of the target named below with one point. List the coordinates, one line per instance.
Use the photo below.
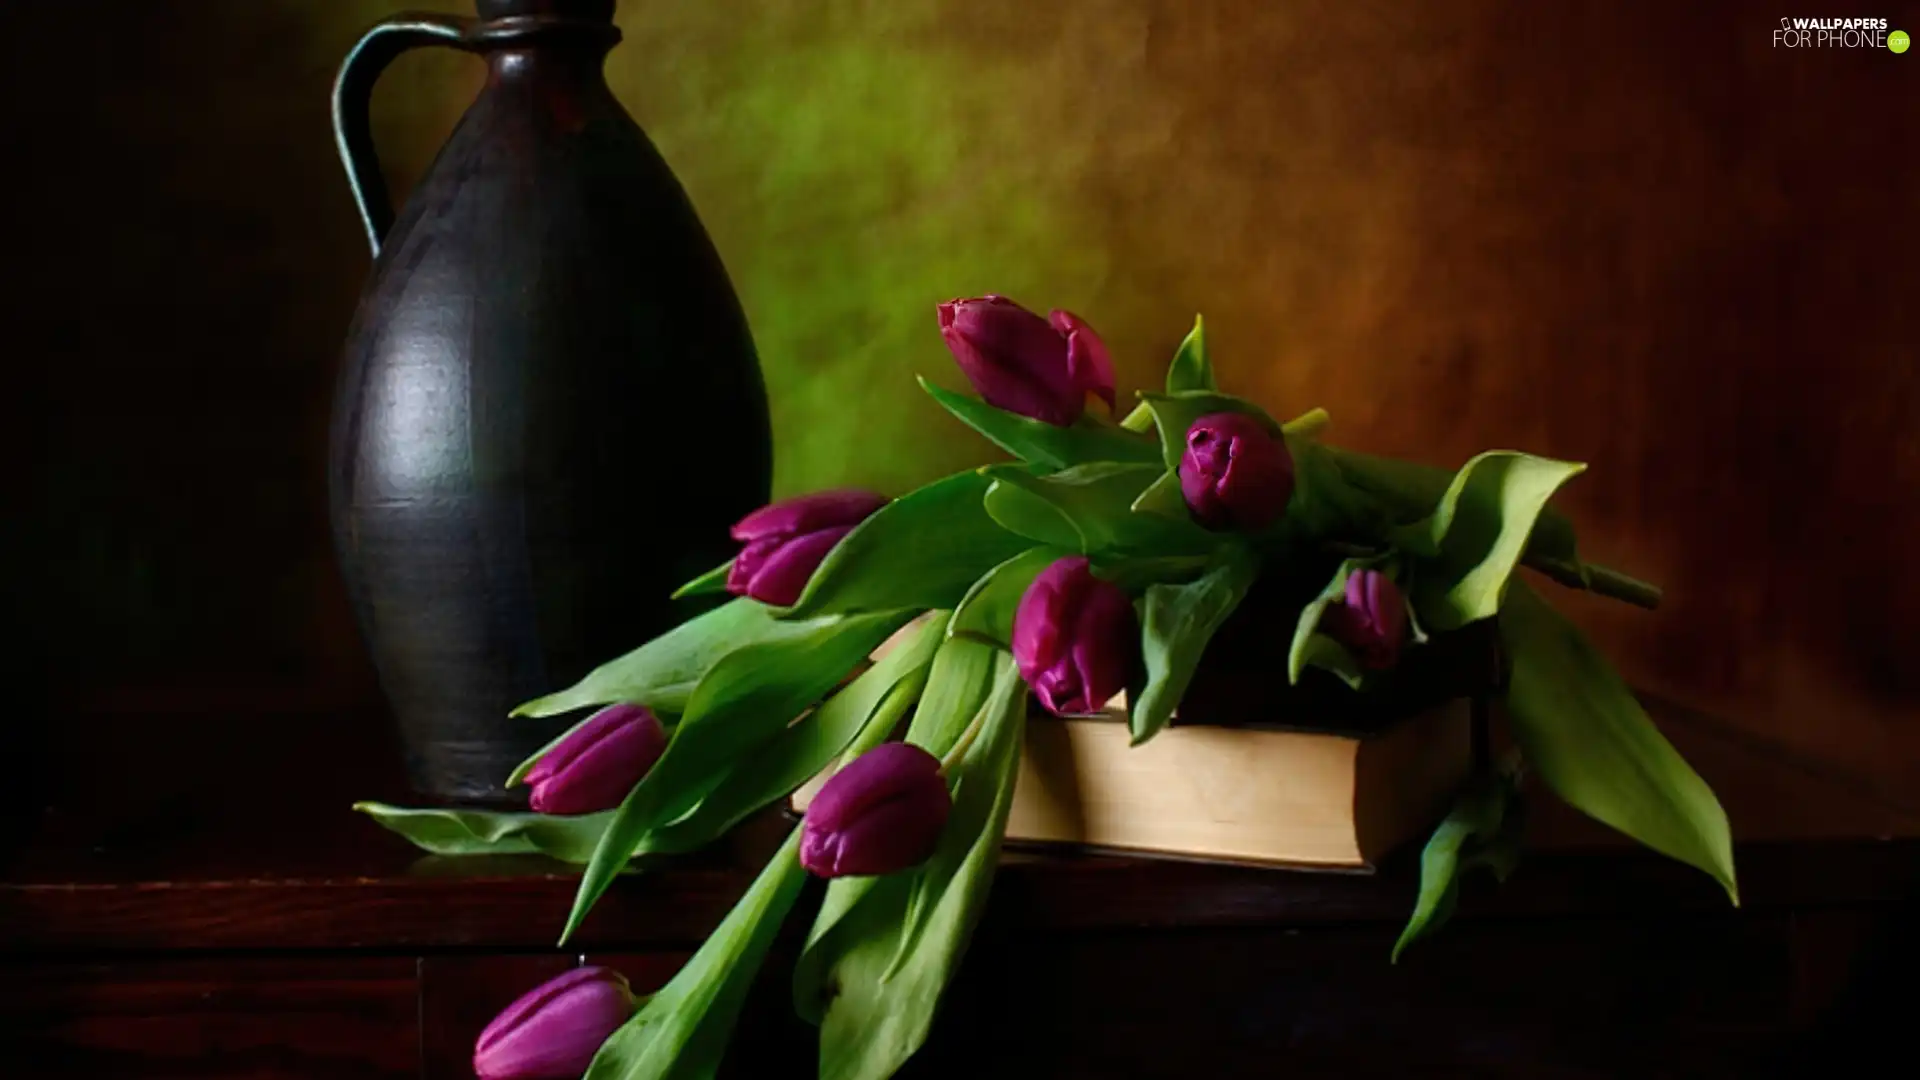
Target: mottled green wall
(1655, 245)
(1632, 234)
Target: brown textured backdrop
(1631, 234)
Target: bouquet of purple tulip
(1101, 560)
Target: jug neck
(545, 37)
(594, 12)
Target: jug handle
(353, 93)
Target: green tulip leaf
(1413, 492)
(681, 1032)
(1325, 505)
(1191, 369)
(1582, 729)
(1308, 425)
(1478, 533)
(1410, 492)
(484, 832)
(707, 584)
(663, 673)
(1177, 622)
(854, 908)
(986, 612)
(1163, 498)
(959, 685)
(1041, 443)
(921, 551)
(1096, 503)
(1139, 420)
(1134, 573)
(745, 700)
(889, 980)
(876, 700)
(962, 678)
(977, 791)
(1029, 515)
(1318, 650)
(1483, 829)
(1311, 648)
(790, 759)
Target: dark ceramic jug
(550, 409)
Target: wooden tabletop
(172, 827)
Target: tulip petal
(1040, 622)
(1088, 362)
(881, 813)
(553, 1031)
(1013, 358)
(750, 561)
(888, 837)
(1371, 619)
(1105, 645)
(1059, 690)
(809, 513)
(874, 777)
(783, 576)
(1075, 638)
(597, 773)
(1234, 473)
(576, 742)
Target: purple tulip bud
(880, 814)
(1235, 474)
(785, 542)
(1020, 362)
(554, 1029)
(1075, 638)
(1371, 620)
(594, 766)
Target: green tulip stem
(1139, 420)
(1598, 580)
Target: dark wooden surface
(232, 918)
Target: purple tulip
(595, 765)
(785, 541)
(1075, 638)
(1371, 620)
(554, 1029)
(1020, 362)
(1235, 474)
(880, 814)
